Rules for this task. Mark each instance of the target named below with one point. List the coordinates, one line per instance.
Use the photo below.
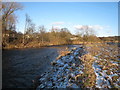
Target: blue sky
(101, 16)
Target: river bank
(38, 45)
(21, 46)
(83, 67)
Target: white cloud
(56, 27)
(94, 27)
(57, 23)
(97, 27)
(77, 26)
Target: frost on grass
(91, 66)
(64, 72)
(106, 67)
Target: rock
(53, 63)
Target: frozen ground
(81, 68)
(106, 68)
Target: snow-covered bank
(106, 66)
(83, 67)
(64, 72)
(108, 78)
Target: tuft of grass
(89, 75)
(63, 53)
(114, 78)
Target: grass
(105, 54)
(89, 75)
(63, 53)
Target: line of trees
(40, 35)
(36, 36)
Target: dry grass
(106, 54)
(63, 53)
(89, 75)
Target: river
(21, 66)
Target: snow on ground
(74, 70)
(107, 70)
(63, 72)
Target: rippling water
(21, 66)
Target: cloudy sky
(100, 16)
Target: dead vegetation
(89, 76)
(107, 57)
(63, 53)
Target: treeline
(37, 36)
(110, 39)
(40, 37)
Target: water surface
(21, 66)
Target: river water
(21, 66)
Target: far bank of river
(21, 66)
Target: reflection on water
(21, 66)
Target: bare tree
(29, 28)
(11, 23)
(8, 9)
(26, 25)
(42, 32)
(86, 32)
(8, 16)
(27, 22)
